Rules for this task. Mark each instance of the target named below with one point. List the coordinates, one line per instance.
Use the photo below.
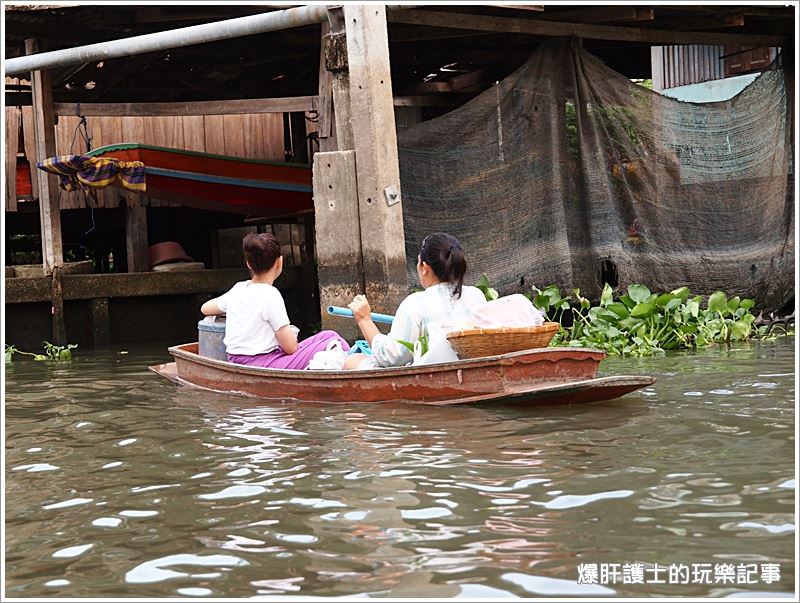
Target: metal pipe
(175, 38)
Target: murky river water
(120, 484)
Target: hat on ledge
(166, 252)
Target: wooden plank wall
(254, 136)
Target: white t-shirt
(254, 312)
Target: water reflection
(121, 484)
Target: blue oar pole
(348, 313)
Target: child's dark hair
(261, 251)
(443, 253)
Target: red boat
(530, 377)
(219, 182)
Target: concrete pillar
(337, 236)
(45, 139)
(136, 239)
(375, 144)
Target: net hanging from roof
(566, 172)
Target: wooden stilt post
(309, 273)
(374, 139)
(136, 238)
(337, 230)
(101, 322)
(45, 139)
(57, 308)
(360, 241)
(326, 133)
(49, 203)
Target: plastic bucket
(210, 336)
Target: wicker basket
(475, 343)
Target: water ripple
(162, 491)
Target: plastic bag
(330, 359)
(510, 311)
(439, 349)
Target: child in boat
(257, 329)
(445, 303)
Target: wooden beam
(377, 167)
(144, 284)
(286, 104)
(702, 23)
(45, 140)
(325, 132)
(603, 14)
(112, 109)
(429, 100)
(528, 7)
(538, 27)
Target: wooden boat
(219, 182)
(540, 376)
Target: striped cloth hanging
(77, 171)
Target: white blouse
(435, 304)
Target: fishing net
(568, 173)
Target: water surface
(121, 484)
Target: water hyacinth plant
(642, 323)
(51, 352)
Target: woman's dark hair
(443, 253)
(261, 251)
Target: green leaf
(65, 355)
(747, 303)
(618, 309)
(630, 324)
(717, 302)
(663, 299)
(553, 295)
(682, 293)
(483, 284)
(407, 344)
(672, 304)
(483, 281)
(626, 299)
(693, 307)
(39, 357)
(607, 296)
(638, 293)
(733, 304)
(642, 310)
(740, 330)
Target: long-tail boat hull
(541, 376)
(219, 182)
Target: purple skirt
(299, 360)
